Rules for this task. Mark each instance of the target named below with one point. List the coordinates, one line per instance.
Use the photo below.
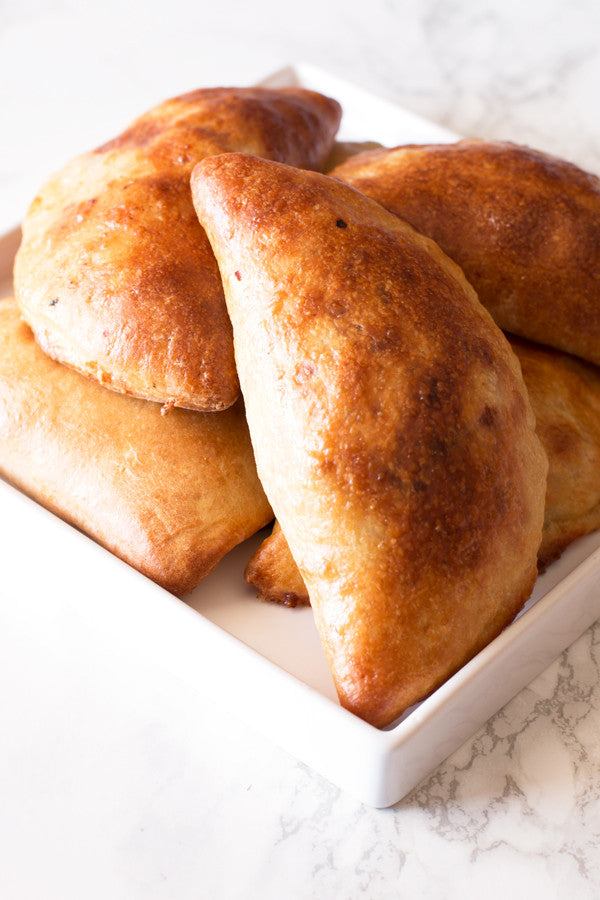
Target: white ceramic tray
(265, 663)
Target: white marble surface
(115, 780)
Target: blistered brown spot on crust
(523, 225)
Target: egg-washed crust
(115, 275)
(392, 429)
(523, 225)
(565, 396)
(169, 494)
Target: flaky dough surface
(114, 273)
(391, 426)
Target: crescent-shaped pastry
(523, 225)
(114, 274)
(170, 495)
(391, 426)
(565, 395)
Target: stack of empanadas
(421, 464)
(525, 228)
(117, 280)
(115, 275)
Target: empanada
(523, 225)
(114, 273)
(565, 396)
(274, 573)
(171, 495)
(391, 426)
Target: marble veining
(118, 781)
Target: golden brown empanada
(523, 225)
(168, 494)
(391, 426)
(565, 396)
(114, 274)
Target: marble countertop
(116, 780)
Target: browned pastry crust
(565, 396)
(168, 494)
(114, 273)
(391, 426)
(343, 150)
(274, 573)
(523, 225)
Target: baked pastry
(391, 426)
(272, 570)
(523, 225)
(114, 274)
(343, 150)
(565, 396)
(171, 495)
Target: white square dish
(264, 662)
